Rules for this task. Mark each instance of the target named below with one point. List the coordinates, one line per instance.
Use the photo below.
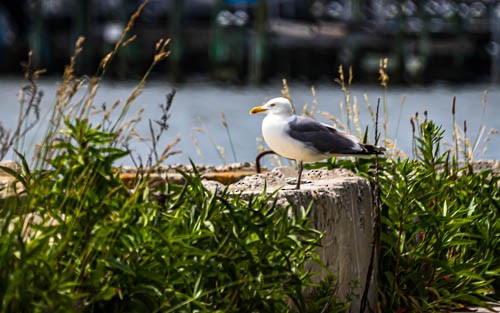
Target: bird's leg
(299, 175)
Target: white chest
(273, 131)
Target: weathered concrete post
(342, 210)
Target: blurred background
(230, 55)
(245, 41)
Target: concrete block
(342, 210)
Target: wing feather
(323, 138)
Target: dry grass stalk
(355, 117)
(456, 135)
(384, 80)
(482, 128)
(347, 98)
(121, 41)
(197, 147)
(315, 100)
(219, 149)
(30, 98)
(395, 143)
(285, 92)
(129, 41)
(487, 138)
(392, 149)
(369, 106)
(166, 153)
(463, 146)
(346, 89)
(335, 121)
(307, 110)
(68, 106)
(229, 137)
(382, 70)
(161, 54)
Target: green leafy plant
(79, 240)
(439, 228)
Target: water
(199, 105)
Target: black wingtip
(371, 149)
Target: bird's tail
(371, 149)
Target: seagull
(304, 139)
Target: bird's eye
(272, 104)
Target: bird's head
(278, 105)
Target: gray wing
(323, 138)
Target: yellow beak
(256, 110)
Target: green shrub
(439, 229)
(79, 241)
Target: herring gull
(304, 139)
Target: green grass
(79, 241)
